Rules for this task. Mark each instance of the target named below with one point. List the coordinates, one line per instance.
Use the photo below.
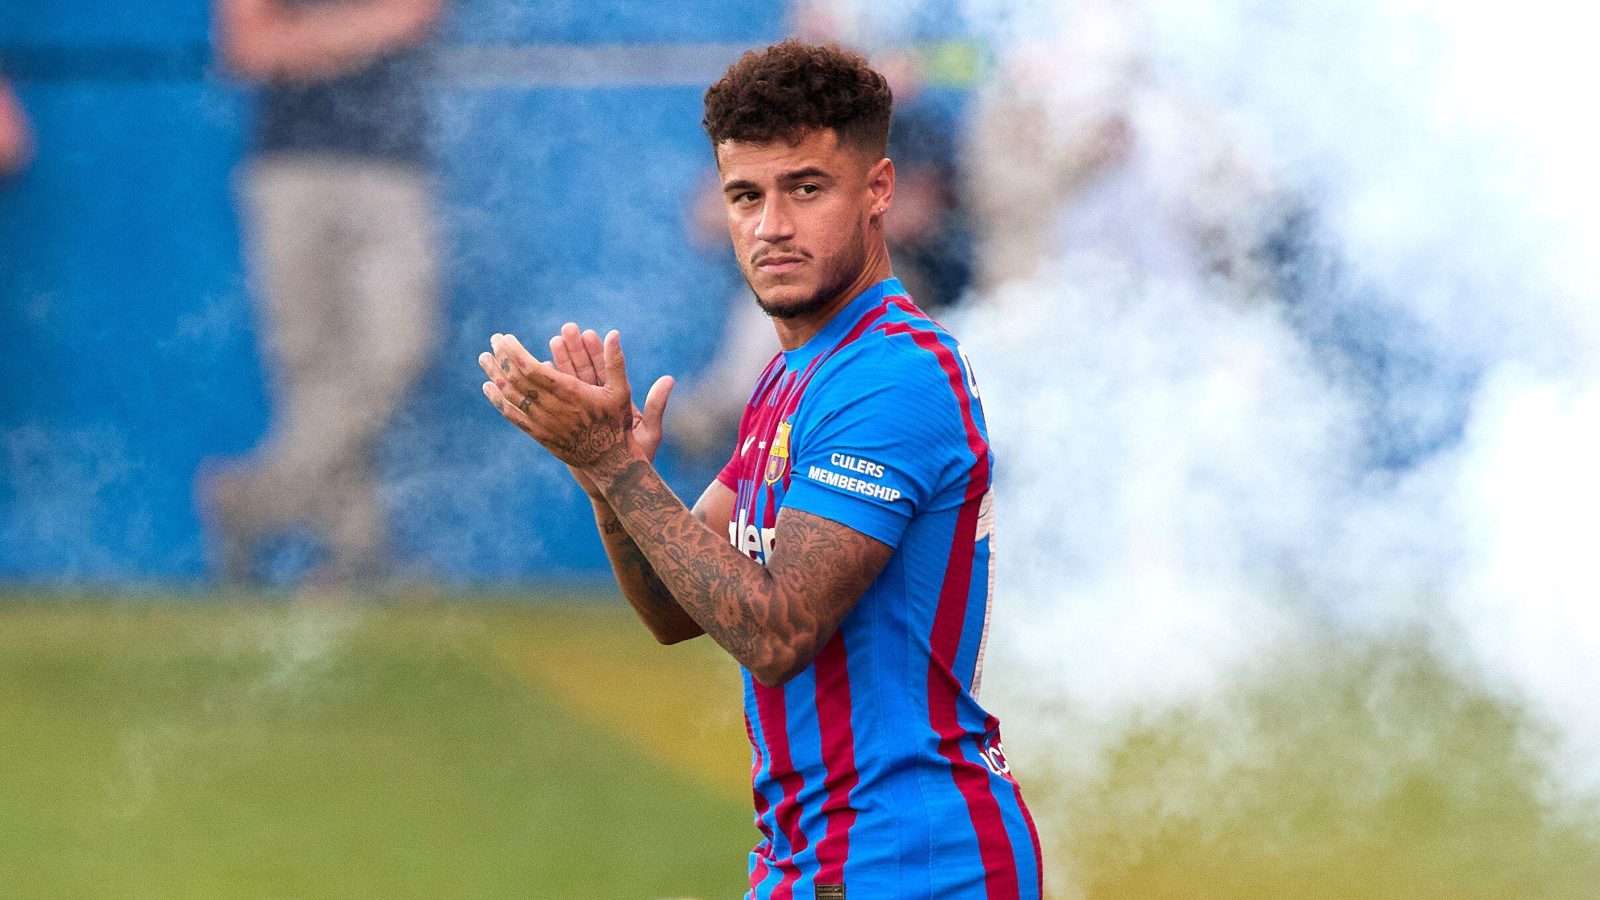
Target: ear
(880, 185)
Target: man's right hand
(579, 353)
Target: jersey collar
(840, 325)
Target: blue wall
(127, 351)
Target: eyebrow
(804, 174)
(809, 172)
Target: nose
(776, 225)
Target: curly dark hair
(792, 88)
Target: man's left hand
(582, 424)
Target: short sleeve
(874, 444)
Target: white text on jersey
(748, 539)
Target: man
(855, 593)
(338, 205)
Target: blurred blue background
(127, 342)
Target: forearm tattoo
(736, 600)
(632, 561)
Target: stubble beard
(836, 278)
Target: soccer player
(843, 555)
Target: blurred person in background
(1085, 162)
(1091, 171)
(16, 141)
(1106, 197)
(336, 201)
(929, 234)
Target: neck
(795, 332)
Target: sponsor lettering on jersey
(750, 540)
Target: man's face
(798, 216)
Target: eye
(806, 190)
(745, 197)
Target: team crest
(778, 456)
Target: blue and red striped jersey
(876, 770)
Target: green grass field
(434, 749)
(210, 750)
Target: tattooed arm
(658, 609)
(773, 619)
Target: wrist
(610, 465)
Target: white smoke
(1528, 500)
(1151, 484)
(1185, 483)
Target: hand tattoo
(596, 433)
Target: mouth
(779, 263)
